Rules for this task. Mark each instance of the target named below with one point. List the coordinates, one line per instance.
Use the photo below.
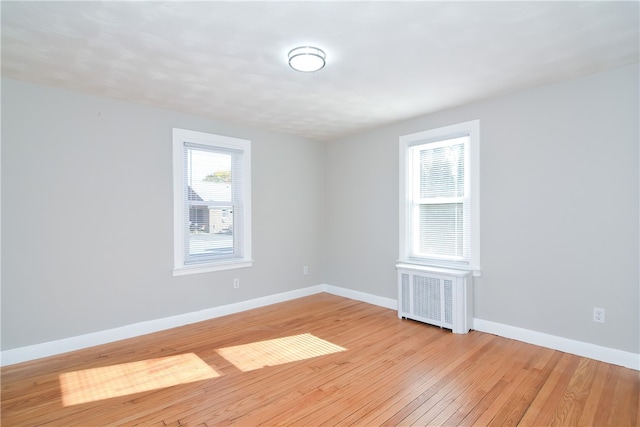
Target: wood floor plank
(624, 409)
(352, 396)
(529, 380)
(457, 380)
(390, 372)
(336, 369)
(595, 393)
(510, 411)
(435, 379)
(545, 400)
(360, 406)
(352, 368)
(393, 406)
(577, 392)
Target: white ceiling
(386, 61)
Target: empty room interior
(320, 213)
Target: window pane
(211, 231)
(442, 171)
(441, 230)
(208, 175)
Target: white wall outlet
(305, 270)
(236, 283)
(598, 314)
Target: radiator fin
(426, 297)
(448, 302)
(406, 299)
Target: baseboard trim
(580, 348)
(37, 351)
(52, 348)
(362, 296)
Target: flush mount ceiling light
(307, 59)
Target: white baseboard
(36, 351)
(51, 348)
(362, 296)
(580, 348)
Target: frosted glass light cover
(307, 59)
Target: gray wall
(559, 208)
(87, 215)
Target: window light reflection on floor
(256, 355)
(119, 380)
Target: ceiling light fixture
(307, 59)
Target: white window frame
(180, 210)
(472, 173)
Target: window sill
(208, 268)
(452, 270)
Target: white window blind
(213, 195)
(440, 201)
(212, 198)
(439, 197)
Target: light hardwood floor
(329, 361)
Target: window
(212, 202)
(439, 197)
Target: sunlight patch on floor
(119, 380)
(256, 355)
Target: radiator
(437, 296)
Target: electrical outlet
(236, 283)
(305, 270)
(598, 314)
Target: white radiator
(438, 296)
